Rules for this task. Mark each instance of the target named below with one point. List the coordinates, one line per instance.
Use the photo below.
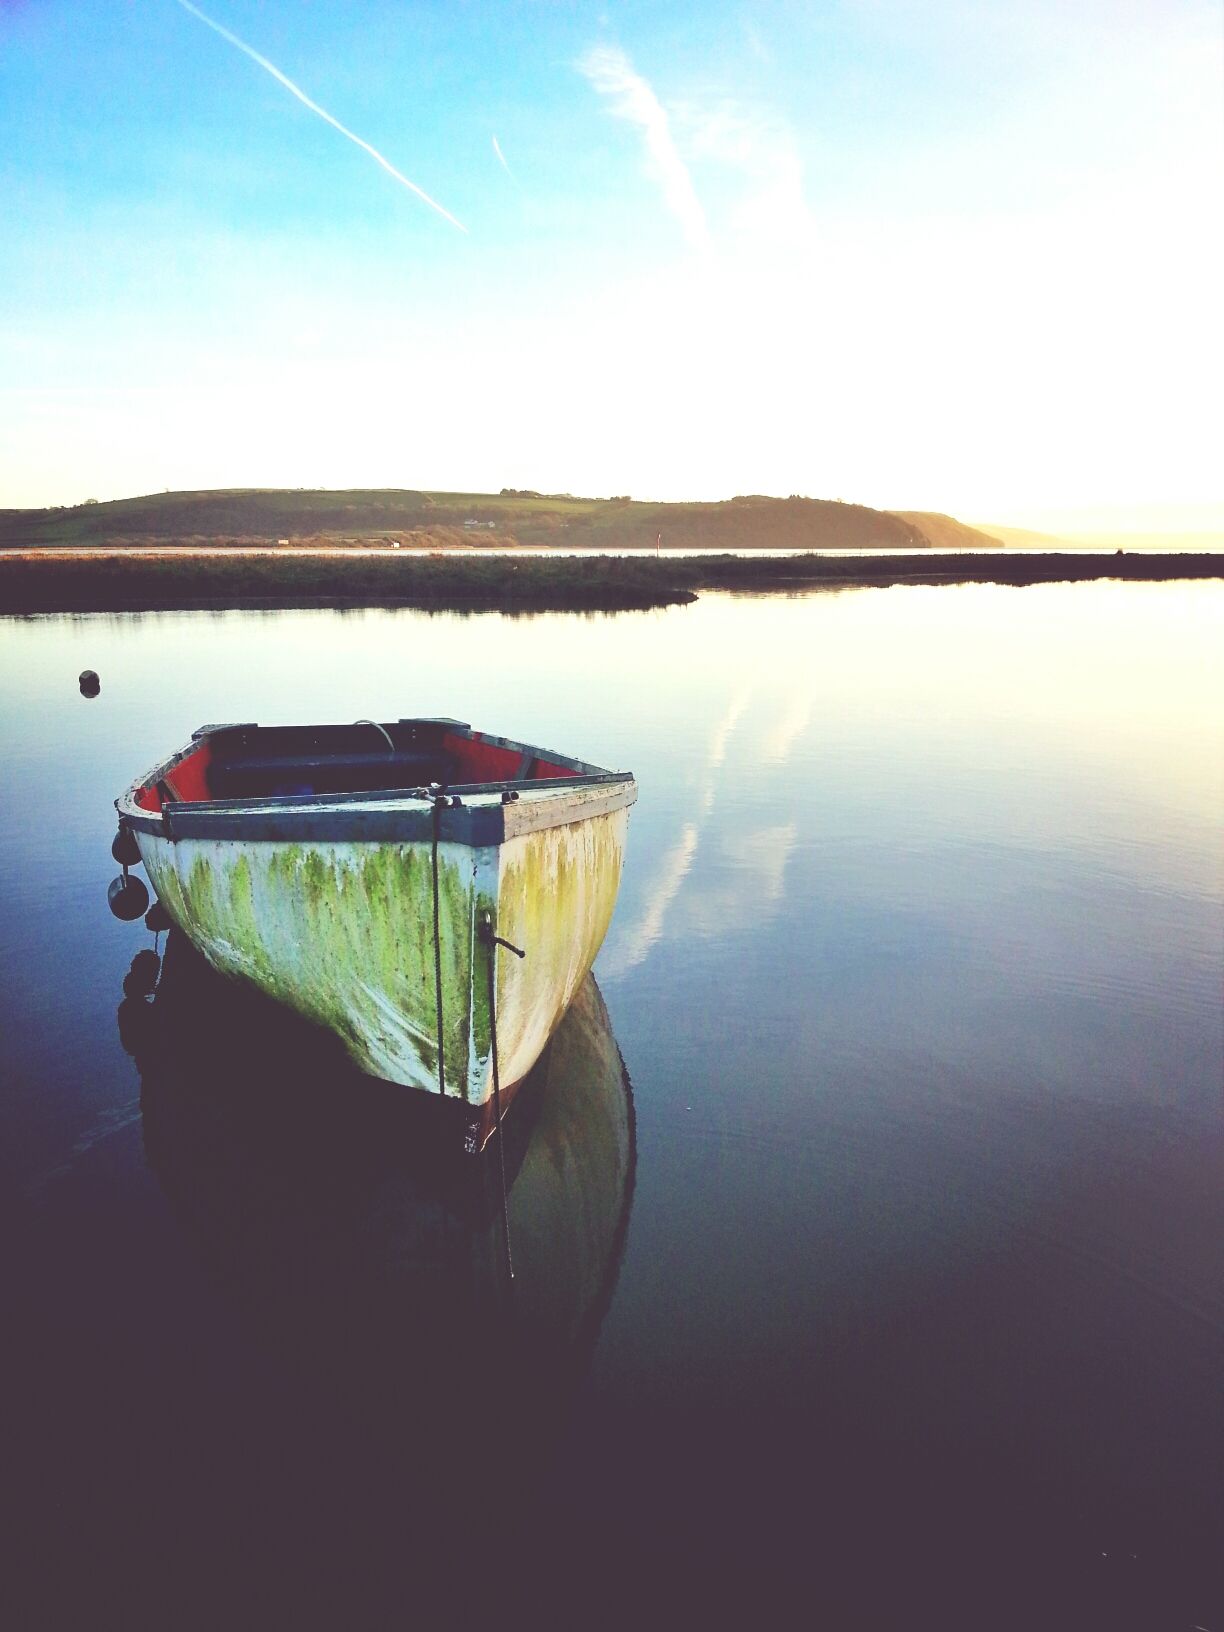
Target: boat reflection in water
(361, 1248)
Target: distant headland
(418, 519)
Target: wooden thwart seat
(255, 776)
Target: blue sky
(942, 255)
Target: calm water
(887, 1290)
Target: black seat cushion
(261, 776)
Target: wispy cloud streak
(772, 211)
(632, 99)
(501, 158)
(627, 952)
(314, 107)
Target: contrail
(322, 112)
(502, 158)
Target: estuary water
(867, 1218)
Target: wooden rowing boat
(366, 875)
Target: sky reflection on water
(916, 972)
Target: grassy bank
(131, 581)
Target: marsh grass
(43, 581)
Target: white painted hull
(343, 932)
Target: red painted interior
(188, 780)
(475, 761)
(480, 761)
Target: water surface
(909, 1294)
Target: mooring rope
(386, 734)
(492, 941)
(487, 938)
(439, 801)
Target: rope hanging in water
(492, 941)
(439, 799)
(484, 932)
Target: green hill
(262, 516)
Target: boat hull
(343, 932)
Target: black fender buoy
(127, 898)
(135, 1018)
(141, 978)
(124, 848)
(157, 919)
(89, 683)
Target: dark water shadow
(341, 1217)
(372, 1400)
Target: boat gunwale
(384, 815)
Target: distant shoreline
(231, 579)
(421, 520)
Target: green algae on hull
(343, 934)
(557, 892)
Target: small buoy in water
(127, 898)
(142, 976)
(89, 683)
(125, 849)
(157, 919)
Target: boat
(369, 875)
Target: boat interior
(288, 761)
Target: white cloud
(631, 948)
(762, 151)
(633, 99)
